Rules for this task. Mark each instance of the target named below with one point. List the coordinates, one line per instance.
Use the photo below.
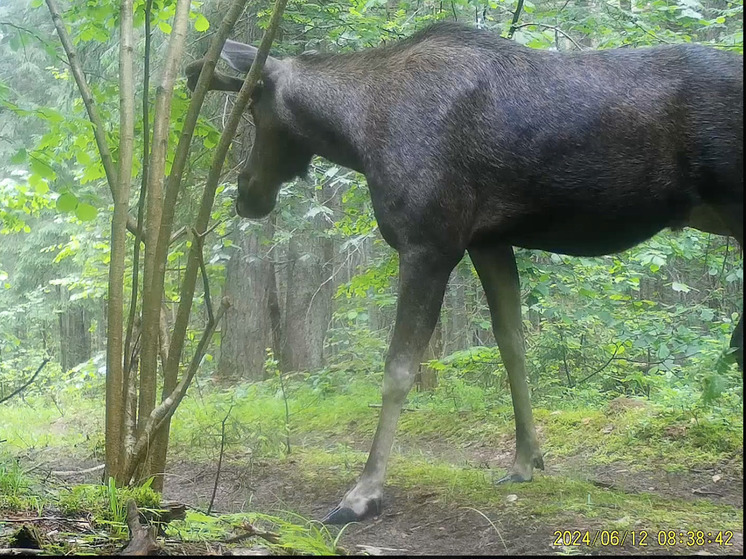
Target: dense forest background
(313, 287)
(314, 283)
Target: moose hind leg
(423, 276)
(499, 276)
(732, 215)
(736, 342)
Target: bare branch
(616, 350)
(27, 383)
(553, 28)
(516, 17)
(200, 240)
(220, 459)
(167, 407)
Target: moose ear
(240, 57)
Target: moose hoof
(343, 514)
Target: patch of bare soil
(414, 522)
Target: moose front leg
(499, 276)
(423, 275)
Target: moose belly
(577, 234)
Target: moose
(472, 143)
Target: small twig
(553, 28)
(200, 238)
(45, 519)
(220, 460)
(403, 409)
(33, 468)
(376, 549)
(570, 383)
(616, 349)
(75, 472)
(516, 16)
(706, 493)
(287, 413)
(22, 388)
(251, 531)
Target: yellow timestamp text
(642, 538)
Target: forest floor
(440, 498)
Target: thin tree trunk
(178, 335)
(115, 400)
(155, 267)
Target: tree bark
(189, 280)
(309, 287)
(247, 329)
(155, 261)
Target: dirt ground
(415, 521)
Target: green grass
(635, 435)
(434, 456)
(106, 504)
(18, 490)
(557, 499)
(38, 423)
(295, 533)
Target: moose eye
(258, 88)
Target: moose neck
(327, 110)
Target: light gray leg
(423, 276)
(497, 271)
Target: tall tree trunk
(247, 329)
(75, 336)
(457, 337)
(308, 295)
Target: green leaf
(42, 169)
(707, 314)
(39, 185)
(67, 202)
(19, 157)
(209, 142)
(14, 43)
(201, 24)
(680, 287)
(165, 27)
(85, 212)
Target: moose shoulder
(470, 142)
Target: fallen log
(142, 538)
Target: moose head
(279, 153)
